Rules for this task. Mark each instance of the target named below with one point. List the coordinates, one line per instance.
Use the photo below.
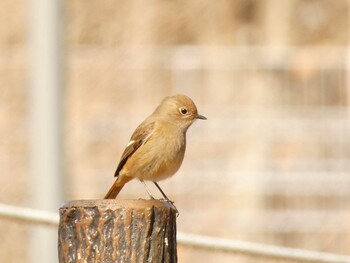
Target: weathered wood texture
(117, 231)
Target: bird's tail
(113, 191)
(117, 186)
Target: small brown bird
(157, 147)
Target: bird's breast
(159, 158)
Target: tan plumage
(157, 147)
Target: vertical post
(45, 91)
(348, 68)
(117, 231)
(277, 22)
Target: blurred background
(271, 163)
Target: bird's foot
(172, 204)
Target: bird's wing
(138, 138)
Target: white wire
(29, 215)
(39, 217)
(249, 248)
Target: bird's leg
(164, 195)
(167, 199)
(148, 191)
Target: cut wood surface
(117, 231)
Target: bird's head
(179, 109)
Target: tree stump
(117, 231)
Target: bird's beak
(201, 117)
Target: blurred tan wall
(269, 165)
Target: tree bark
(117, 231)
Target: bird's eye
(183, 111)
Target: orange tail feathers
(117, 186)
(113, 191)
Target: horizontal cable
(39, 217)
(28, 215)
(254, 249)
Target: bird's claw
(172, 204)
